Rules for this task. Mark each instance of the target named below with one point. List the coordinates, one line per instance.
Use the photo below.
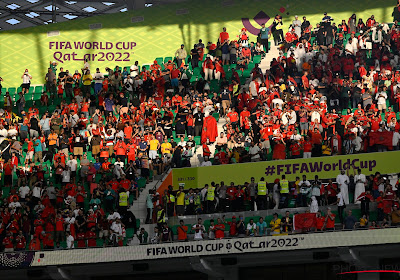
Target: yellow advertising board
(324, 167)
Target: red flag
(381, 138)
(210, 129)
(305, 220)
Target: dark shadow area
(212, 12)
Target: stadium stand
(78, 151)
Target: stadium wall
(120, 39)
(265, 244)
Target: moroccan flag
(210, 129)
(305, 220)
(381, 138)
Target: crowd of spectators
(258, 226)
(95, 138)
(345, 189)
(356, 190)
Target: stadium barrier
(263, 244)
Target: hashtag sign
(270, 170)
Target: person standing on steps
(263, 36)
(277, 30)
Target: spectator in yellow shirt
(363, 221)
(154, 146)
(87, 82)
(166, 148)
(180, 202)
(275, 225)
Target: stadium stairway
(273, 53)
(138, 207)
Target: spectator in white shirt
(23, 192)
(222, 140)
(182, 143)
(396, 139)
(357, 142)
(349, 47)
(72, 163)
(114, 216)
(70, 220)
(295, 136)
(289, 117)
(198, 230)
(135, 69)
(251, 228)
(254, 152)
(381, 99)
(70, 241)
(14, 205)
(116, 229)
(37, 192)
(206, 162)
(98, 81)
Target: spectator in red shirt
(219, 229)
(174, 75)
(48, 241)
(20, 241)
(81, 237)
(320, 221)
(231, 193)
(316, 139)
(232, 226)
(330, 220)
(59, 227)
(91, 237)
(8, 242)
(223, 36)
(8, 171)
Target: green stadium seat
(197, 140)
(130, 232)
(207, 224)
(12, 90)
(216, 116)
(28, 96)
(141, 183)
(166, 59)
(194, 79)
(255, 219)
(160, 60)
(39, 89)
(19, 89)
(246, 73)
(37, 95)
(257, 58)
(99, 242)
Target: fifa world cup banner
(226, 246)
(324, 167)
